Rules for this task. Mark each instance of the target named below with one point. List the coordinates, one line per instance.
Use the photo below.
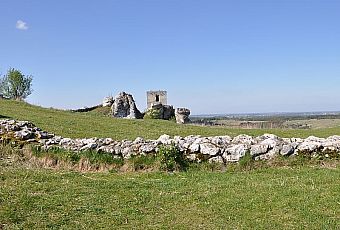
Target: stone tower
(156, 97)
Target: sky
(212, 56)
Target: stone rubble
(195, 147)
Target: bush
(172, 159)
(153, 114)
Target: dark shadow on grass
(2, 116)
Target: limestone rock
(260, 149)
(217, 159)
(287, 149)
(44, 135)
(24, 134)
(107, 102)
(194, 147)
(235, 152)
(182, 115)
(243, 139)
(164, 139)
(220, 140)
(209, 149)
(159, 111)
(124, 107)
(309, 146)
(147, 148)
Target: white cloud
(21, 25)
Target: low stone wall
(196, 148)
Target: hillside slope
(81, 125)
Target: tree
(15, 85)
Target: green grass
(81, 125)
(273, 198)
(289, 195)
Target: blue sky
(211, 56)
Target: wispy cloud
(21, 25)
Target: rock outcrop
(124, 106)
(182, 115)
(107, 102)
(159, 111)
(196, 148)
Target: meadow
(271, 198)
(276, 195)
(95, 124)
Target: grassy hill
(92, 124)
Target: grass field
(281, 198)
(296, 196)
(80, 125)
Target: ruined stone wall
(196, 148)
(156, 97)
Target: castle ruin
(156, 98)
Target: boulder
(147, 148)
(107, 102)
(124, 106)
(194, 148)
(24, 134)
(164, 139)
(44, 135)
(259, 149)
(235, 152)
(182, 115)
(309, 146)
(243, 139)
(209, 149)
(287, 149)
(159, 111)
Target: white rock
(217, 159)
(107, 101)
(259, 149)
(24, 134)
(235, 152)
(194, 148)
(243, 139)
(147, 148)
(209, 149)
(165, 139)
(309, 146)
(287, 149)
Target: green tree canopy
(15, 85)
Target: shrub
(153, 114)
(172, 159)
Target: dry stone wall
(196, 148)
